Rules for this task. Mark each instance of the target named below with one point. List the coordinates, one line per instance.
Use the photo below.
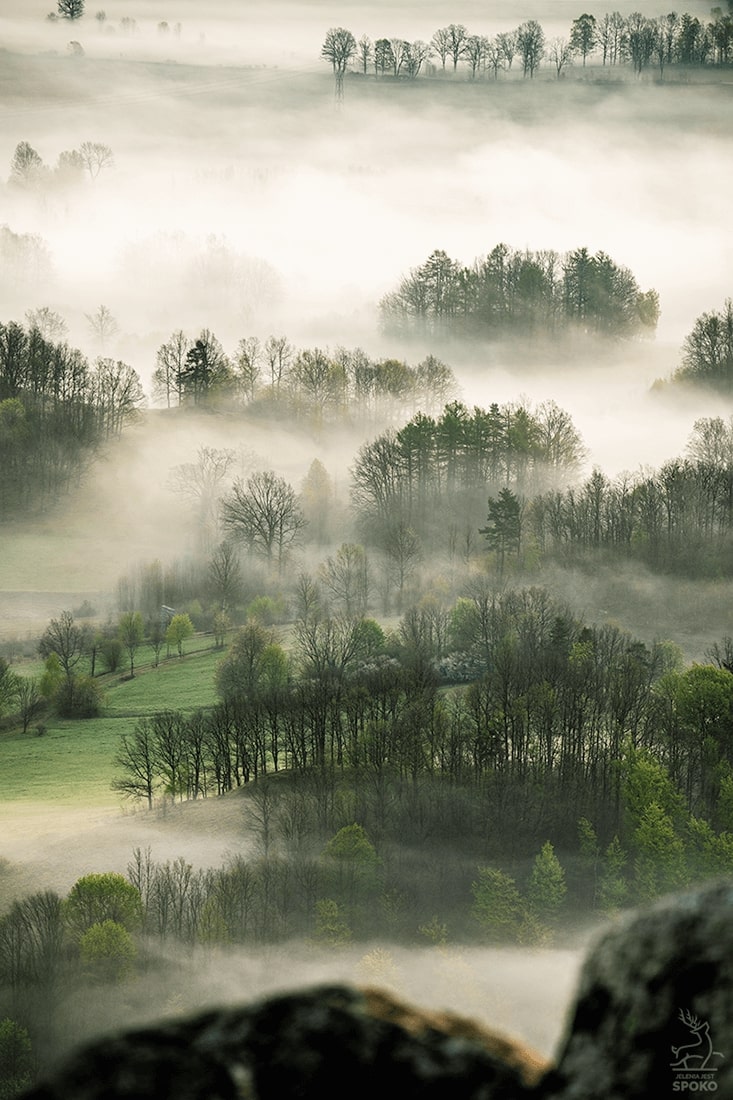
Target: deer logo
(697, 1054)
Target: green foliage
(644, 781)
(221, 625)
(511, 291)
(724, 808)
(332, 925)
(9, 687)
(96, 898)
(546, 889)
(55, 409)
(613, 890)
(111, 653)
(268, 610)
(709, 854)
(660, 861)
(369, 639)
(78, 697)
(16, 1060)
(107, 951)
(504, 526)
(497, 905)
(707, 351)
(352, 867)
(180, 628)
(52, 676)
(352, 845)
(252, 654)
(435, 932)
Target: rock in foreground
(653, 1014)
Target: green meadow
(71, 762)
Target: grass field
(72, 762)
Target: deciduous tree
(583, 35)
(26, 166)
(71, 9)
(131, 632)
(180, 628)
(338, 49)
(95, 157)
(530, 39)
(265, 513)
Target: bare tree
(364, 51)
(278, 353)
(102, 324)
(171, 361)
(265, 513)
(225, 575)
(441, 44)
(561, 54)
(30, 700)
(400, 54)
(507, 43)
(530, 40)
(117, 395)
(418, 54)
(96, 157)
(67, 640)
(247, 365)
(476, 51)
(403, 550)
(495, 57)
(338, 49)
(47, 322)
(136, 760)
(346, 577)
(457, 39)
(199, 482)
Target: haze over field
(244, 199)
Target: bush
(79, 697)
(107, 951)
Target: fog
(244, 199)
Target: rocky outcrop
(322, 1042)
(654, 1008)
(654, 1014)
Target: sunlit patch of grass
(177, 683)
(69, 764)
(72, 761)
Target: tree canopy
(521, 292)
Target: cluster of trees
(636, 40)
(549, 708)
(55, 410)
(434, 473)
(28, 170)
(75, 653)
(273, 378)
(678, 518)
(25, 261)
(510, 291)
(707, 351)
(431, 479)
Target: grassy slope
(72, 763)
